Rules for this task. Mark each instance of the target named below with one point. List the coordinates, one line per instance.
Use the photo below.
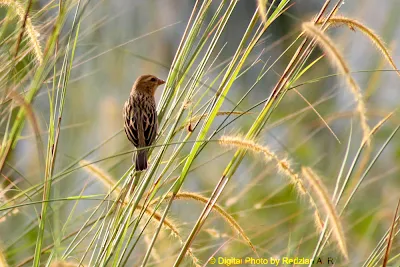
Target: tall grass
(115, 216)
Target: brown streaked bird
(140, 116)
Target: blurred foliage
(119, 40)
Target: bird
(140, 117)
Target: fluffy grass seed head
(337, 60)
(283, 165)
(31, 31)
(329, 208)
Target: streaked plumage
(140, 116)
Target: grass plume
(104, 177)
(262, 10)
(337, 59)
(3, 261)
(329, 208)
(217, 208)
(369, 33)
(282, 165)
(32, 32)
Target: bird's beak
(160, 82)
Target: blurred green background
(123, 39)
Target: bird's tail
(141, 160)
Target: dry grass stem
(377, 126)
(106, 179)
(319, 115)
(174, 230)
(391, 235)
(154, 252)
(195, 119)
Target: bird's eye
(153, 79)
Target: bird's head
(147, 84)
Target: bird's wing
(150, 122)
(130, 124)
